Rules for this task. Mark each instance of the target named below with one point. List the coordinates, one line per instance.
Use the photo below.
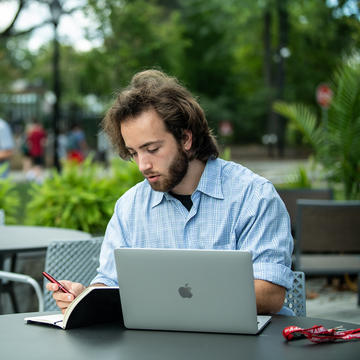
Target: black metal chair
(295, 298)
(290, 196)
(327, 238)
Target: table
(20, 239)
(14, 238)
(111, 341)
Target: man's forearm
(5, 154)
(269, 297)
(97, 284)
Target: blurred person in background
(103, 147)
(76, 144)
(62, 146)
(6, 147)
(36, 140)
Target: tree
(10, 30)
(225, 52)
(274, 66)
(215, 68)
(136, 34)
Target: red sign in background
(324, 95)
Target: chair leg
(9, 288)
(13, 297)
(27, 280)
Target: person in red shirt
(36, 143)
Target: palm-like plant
(336, 142)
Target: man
(189, 198)
(6, 147)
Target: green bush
(123, 175)
(82, 196)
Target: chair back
(327, 227)
(290, 197)
(295, 298)
(71, 260)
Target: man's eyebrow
(156, 142)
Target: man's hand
(62, 299)
(269, 297)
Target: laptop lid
(188, 290)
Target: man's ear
(187, 140)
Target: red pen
(53, 280)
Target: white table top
(29, 238)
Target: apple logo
(185, 291)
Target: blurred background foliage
(335, 137)
(80, 197)
(238, 57)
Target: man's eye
(151, 151)
(132, 154)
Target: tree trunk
(268, 77)
(283, 27)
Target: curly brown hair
(152, 89)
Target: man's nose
(144, 163)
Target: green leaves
(81, 196)
(336, 137)
(303, 119)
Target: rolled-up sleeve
(266, 233)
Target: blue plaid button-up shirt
(233, 208)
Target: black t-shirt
(184, 199)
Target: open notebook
(188, 290)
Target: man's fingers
(62, 304)
(63, 297)
(51, 287)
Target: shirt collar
(156, 197)
(209, 184)
(210, 181)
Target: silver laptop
(188, 290)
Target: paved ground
(331, 303)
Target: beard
(177, 171)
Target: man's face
(160, 158)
